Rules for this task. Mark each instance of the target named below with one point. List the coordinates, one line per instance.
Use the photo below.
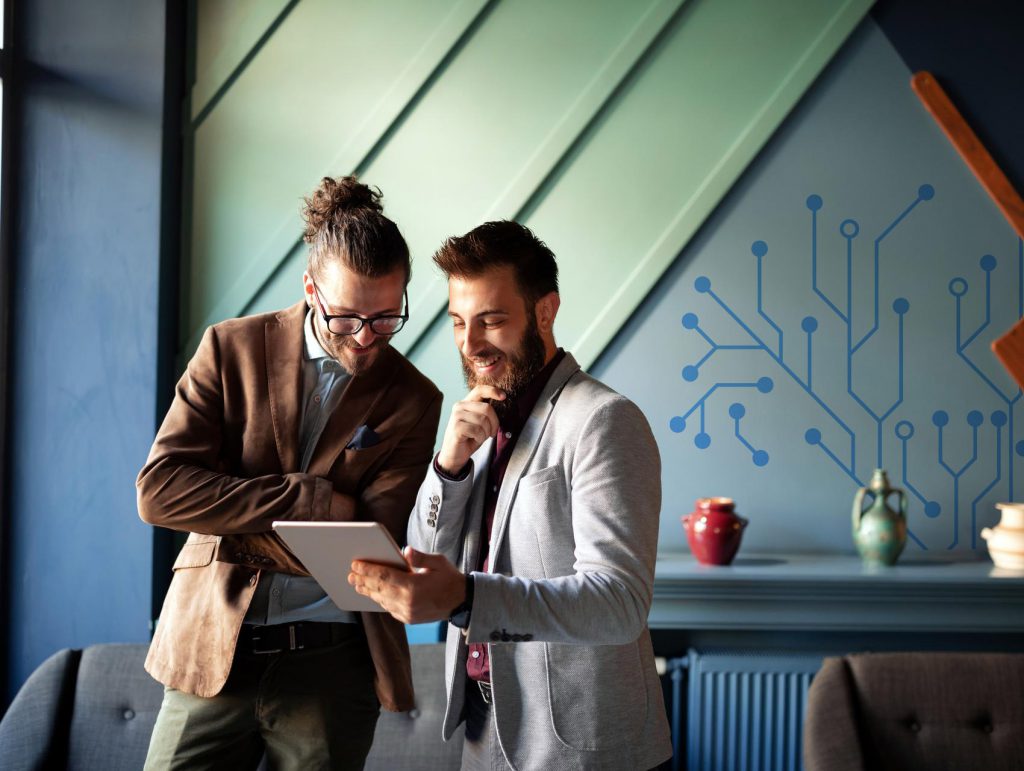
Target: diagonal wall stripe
(431, 296)
(200, 112)
(362, 137)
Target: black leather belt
(300, 636)
(485, 691)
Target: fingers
(483, 392)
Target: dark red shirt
(478, 666)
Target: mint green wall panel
(481, 141)
(321, 92)
(613, 129)
(226, 31)
(672, 146)
(661, 156)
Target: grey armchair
(910, 711)
(95, 709)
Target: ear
(307, 289)
(547, 309)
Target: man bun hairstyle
(497, 244)
(345, 220)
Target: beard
(521, 366)
(354, 364)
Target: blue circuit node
(901, 305)
(765, 385)
(760, 458)
(958, 287)
(702, 440)
(690, 373)
(690, 321)
(737, 411)
(702, 284)
(904, 429)
(940, 418)
(849, 228)
(812, 436)
(759, 248)
(975, 418)
(814, 202)
(988, 263)
(999, 418)
(677, 424)
(926, 192)
(1019, 447)
(809, 324)
(932, 509)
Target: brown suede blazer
(224, 466)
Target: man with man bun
(303, 414)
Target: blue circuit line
(956, 481)
(760, 306)
(906, 481)
(715, 387)
(983, 493)
(814, 266)
(988, 311)
(793, 375)
(743, 441)
(878, 244)
(849, 471)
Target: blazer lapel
(525, 448)
(360, 396)
(283, 338)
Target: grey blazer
(564, 605)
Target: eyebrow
(351, 312)
(494, 312)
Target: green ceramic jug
(879, 532)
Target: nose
(364, 336)
(471, 339)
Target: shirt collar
(313, 351)
(528, 400)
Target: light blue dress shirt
(281, 598)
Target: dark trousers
(481, 751)
(314, 709)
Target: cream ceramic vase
(1006, 540)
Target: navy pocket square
(363, 438)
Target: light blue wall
(859, 150)
(84, 325)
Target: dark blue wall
(86, 257)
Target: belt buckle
(485, 692)
(255, 639)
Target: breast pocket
(541, 526)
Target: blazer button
(435, 499)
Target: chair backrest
(95, 709)
(89, 709)
(916, 710)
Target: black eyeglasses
(350, 324)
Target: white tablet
(328, 548)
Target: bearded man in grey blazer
(535, 533)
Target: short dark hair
(345, 218)
(497, 244)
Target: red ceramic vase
(714, 530)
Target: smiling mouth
(488, 364)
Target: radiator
(744, 710)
